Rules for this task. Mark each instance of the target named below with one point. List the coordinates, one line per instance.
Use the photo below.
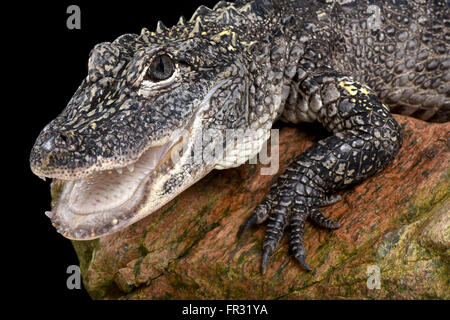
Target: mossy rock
(397, 222)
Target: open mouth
(96, 202)
(107, 201)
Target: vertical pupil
(161, 68)
(161, 64)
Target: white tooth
(131, 167)
(119, 170)
(48, 214)
(42, 177)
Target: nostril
(67, 141)
(63, 138)
(59, 140)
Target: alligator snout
(53, 148)
(59, 141)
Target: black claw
(264, 260)
(301, 260)
(247, 225)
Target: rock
(395, 225)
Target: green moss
(421, 203)
(250, 252)
(137, 266)
(161, 217)
(184, 284)
(143, 251)
(170, 209)
(55, 190)
(199, 236)
(84, 251)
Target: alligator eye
(161, 68)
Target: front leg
(365, 140)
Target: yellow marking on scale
(225, 33)
(364, 90)
(352, 89)
(91, 113)
(349, 86)
(248, 43)
(233, 38)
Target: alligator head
(126, 140)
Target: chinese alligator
(126, 139)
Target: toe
(319, 219)
(301, 260)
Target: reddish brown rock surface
(397, 221)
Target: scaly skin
(243, 66)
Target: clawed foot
(284, 207)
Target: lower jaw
(149, 197)
(76, 220)
(76, 215)
(91, 226)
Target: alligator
(125, 141)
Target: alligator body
(126, 140)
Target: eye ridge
(161, 68)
